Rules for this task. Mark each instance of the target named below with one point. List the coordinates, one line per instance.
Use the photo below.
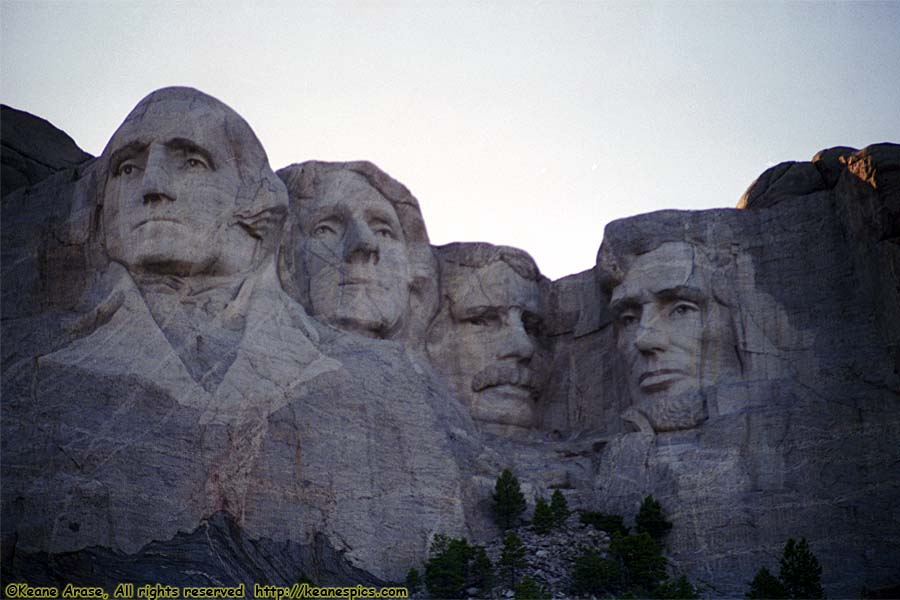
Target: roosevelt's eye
(683, 309)
(483, 320)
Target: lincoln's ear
(264, 224)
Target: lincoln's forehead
(670, 266)
(495, 285)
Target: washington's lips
(157, 220)
(497, 375)
(659, 379)
(355, 281)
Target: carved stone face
(666, 325)
(355, 256)
(171, 193)
(487, 346)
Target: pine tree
(447, 571)
(593, 575)
(509, 502)
(529, 589)
(651, 520)
(482, 571)
(512, 557)
(543, 520)
(679, 589)
(644, 564)
(801, 573)
(413, 580)
(766, 586)
(559, 508)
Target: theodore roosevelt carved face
(671, 332)
(484, 340)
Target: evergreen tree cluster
(454, 566)
(549, 516)
(635, 564)
(799, 576)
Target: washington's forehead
(496, 285)
(165, 120)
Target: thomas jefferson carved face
(356, 257)
(672, 334)
(171, 192)
(485, 344)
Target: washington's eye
(384, 232)
(126, 168)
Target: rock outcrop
(215, 374)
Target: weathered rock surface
(33, 149)
(177, 408)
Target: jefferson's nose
(157, 182)
(360, 243)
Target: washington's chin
(504, 405)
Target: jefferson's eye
(627, 319)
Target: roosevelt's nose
(650, 337)
(516, 344)
(157, 181)
(360, 244)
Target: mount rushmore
(215, 372)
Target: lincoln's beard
(674, 413)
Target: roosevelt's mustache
(505, 375)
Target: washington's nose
(360, 243)
(157, 183)
(517, 343)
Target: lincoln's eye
(627, 319)
(127, 169)
(682, 309)
(195, 163)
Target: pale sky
(531, 124)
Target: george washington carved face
(173, 186)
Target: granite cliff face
(213, 373)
